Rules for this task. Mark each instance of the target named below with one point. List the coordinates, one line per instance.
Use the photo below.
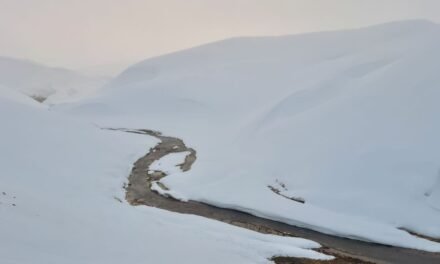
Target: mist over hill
(46, 83)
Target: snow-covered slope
(41, 82)
(346, 120)
(62, 201)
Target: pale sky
(82, 34)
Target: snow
(56, 84)
(347, 119)
(168, 193)
(169, 164)
(17, 97)
(62, 200)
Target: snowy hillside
(346, 121)
(62, 201)
(44, 83)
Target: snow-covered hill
(346, 120)
(54, 85)
(62, 201)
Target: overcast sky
(88, 33)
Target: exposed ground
(39, 98)
(420, 235)
(346, 251)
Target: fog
(106, 35)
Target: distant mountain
(44, 83)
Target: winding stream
(138, 192)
